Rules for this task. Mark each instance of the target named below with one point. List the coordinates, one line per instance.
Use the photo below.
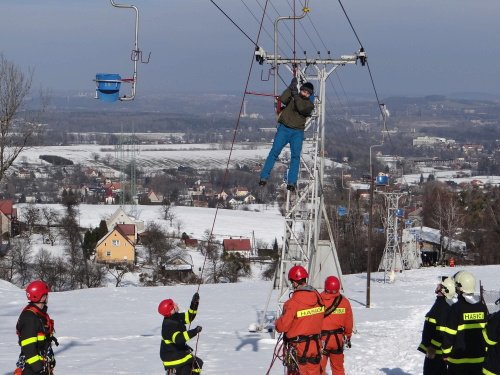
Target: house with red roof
(241, 246)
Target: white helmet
(448, 288)
(465, 282)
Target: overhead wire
(234, 23)
(380, 104)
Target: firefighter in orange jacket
(337, 326)
(301, 324)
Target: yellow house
(118, 245)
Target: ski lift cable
(265, 30)
(304, 29)
(256, 19)
(234, 23)
(235, 132)
(286, 27)
(381, 105)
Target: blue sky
(416, 47)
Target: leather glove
(431, 352)
(347, 342)
(195, 301)
(293, 86)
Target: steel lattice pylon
(392, 260)
(305, 213)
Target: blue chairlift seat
(108, 87)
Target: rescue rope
(226, 172)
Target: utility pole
(370, 233)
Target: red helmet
(332, 285)
(166, 307)
(297, 273)
(36, 290)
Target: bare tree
(50, 217)
(119, 271)
(214, 266)
(168, 213)
(14, 135)
(7, 267)
(21, 254)
(31, 216)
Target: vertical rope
(226, 172)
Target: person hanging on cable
(434, 326)
(299, 105)
(174, 351)
(337, 326)
(35, 330)
(301, 323)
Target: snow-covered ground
(117, 330)
(153, 157)
(261, 222)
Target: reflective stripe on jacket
(463, 341)
(34, 328)
(491, 335)
(174, 351)
(435, 325)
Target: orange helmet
(297, 273)
(332, 285)
(36, 290)
(166, 307)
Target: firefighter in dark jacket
(174, 351)
(463, 343)
(435, 322)
(301, 324)
(491, 335)
(35, 330)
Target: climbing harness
(334, 332)
(48, 357)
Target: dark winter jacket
(35, 330)
(463, 341)
(492, 336)
(434, 325)
(297, 110)
(174, 351)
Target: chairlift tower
(305, 211)
(392, 260)
(126, 152)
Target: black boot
(262, 183)
(290, 187)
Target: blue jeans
(285, 136)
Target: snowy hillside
(264, 222)
(153, 157)
(116, 330)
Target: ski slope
(117, 330)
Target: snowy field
(154, 157)
(262, 222)
(117, 330)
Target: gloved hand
(293, 86)
(347, 342)
(195, 301)
(431, 352)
